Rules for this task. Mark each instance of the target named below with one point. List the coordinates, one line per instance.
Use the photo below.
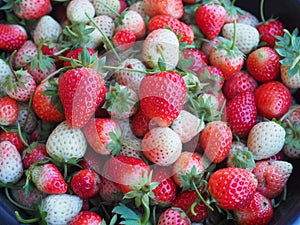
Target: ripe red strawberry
(239, 83)
(263, 64)
(123, 40)
(272, 176)
(8, 111)
(165, 192)
(162, 146)
(273, 99)
(86, 218)
(12, 37)
(140, 124)
(162, 96)
(258, 210)
(81, 91)
(210, 19)
(14, 138)
(34, 154)
(48, 179)
(173, 216)
(268, 31)
(241, 113)
(130, 172)
(75, 53)
(192, 59)
(181, 29)
(185, 200)
(85, 183)
(216, 140)
(172, 8)
(232, 187)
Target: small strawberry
(48, 179)
(77, 9)
(11, 168)
(209, 45)
(161, 146)
(33, 154)
(8, 111)
(26, 118)
(140, 124)
(12, 37)
(192, 59)
(86, 218)
(269, 30)
(266, 139)
(106, 7)
(77, 54)
(210, 19)
(21, 57)
(232, 188)
(273, 99)
(123, 40)
(263, 64)
(258, 210)
(173, 216)
(172, 8)
(14, 138)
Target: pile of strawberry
(146, 112)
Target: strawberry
(247, 36)
(26, 117)
(123, 39)
(188, 201)
(34, 154)
(263, 64)
(212, 77)
(27, 49)
(232, 187)
(182, 30)
(210, 18)
(162, 96)
(247, 18)
(173, 216)
(45, 106)
(216, 140)
(86, 218)
(139, 7)
(109, 192)
(48, 179)
(8, 111)
(12, 37)
(77, 9)
(103, 135)
(4, 73)
(258, 210)
(76, 54)
(291, 82)
(187, 126)
(140, 124)
(266, 139)
(14, 138)
(239, 156)
(130, 172)
(161, 44)
(172, 8)
(85, 183)
(268, 30)
(11, 168)
(81, 91)
(132, 147)
(239, 83)
(241, 113)
(208, 46)
(66, 144)
(123, 6)
(161, 146)
(192, 59)
(106, 7)
(273, 99)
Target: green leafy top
(116, 144)
(292, 138)
(52, 92)
(242, 158)
(288, 47)
(15, 80)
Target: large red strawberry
(12, 37)
(172, 8)
(232, 187)
(81, 91)
(162, 96)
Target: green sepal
(116, 144)
(242, 158)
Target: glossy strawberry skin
(269, 30)
(172, 8)
(173, 216)
(86, 218)
(12, 37)
(14, 138)
(140, 124)
(33, 9)
(162, 96)
(37, 154)
(124, 39)
(241, 113)
(272, 99)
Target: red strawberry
(14, 138)
(181, 29)
(162, 96)
(172, 8)
(48, 179)
(232, 187)
(263, 64)
(140, 124)
(268, 31)
(12, 37)
(210, 19)
(81, 91)
(123, 6)
(8, 111)
(216, 140)
(173, 216)
(273, 99)
(32, 9)
(75, 53)
(86, 218)
(258, 210)
(192, 59)
(239, 83)
(34, 154)
(241, 113)
(123, 39)
(85, 183)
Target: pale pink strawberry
(291, 82)
(248, 18)
(106, 24)
(27, 49)
(77, 9)
(102, 9)
(139, 8)
(173, 216)
(207, 46)
(109, 192)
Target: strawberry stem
(161, 53)
(22, 220)
(56, 72)
(16, 203)
(145, 203)
(234, 35)
(28, 109)
(128, 69)
(201, 197)
(10, 63)
(262, 11)
(21, 136)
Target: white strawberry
(161, 44)
(66, 144)
(162, 146)
(132, 148)
(26, 117)
(4, 73)
(76, 10)
(102, 9)
(187, 126)
(292, 82)
(94, 39)
(11, 167)
(47, 29)
(248, 18)
(106, 24)
(247, 37)
(266, 139)
(28, 49)
(139, 8)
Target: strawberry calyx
(193, 86)
(292, 138)
(116, 144)
(242, 158)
